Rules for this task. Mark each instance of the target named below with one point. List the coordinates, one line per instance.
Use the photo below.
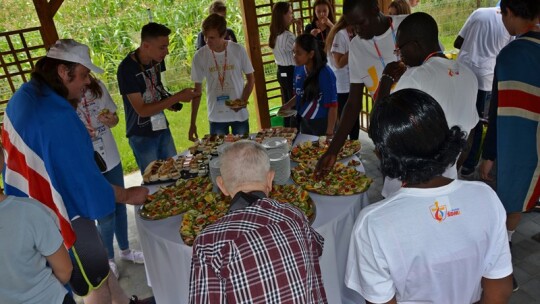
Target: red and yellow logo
(440, 212)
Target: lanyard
(221, 76)
(153, 86)
(431, 55)
(86, 112)
(377, 47)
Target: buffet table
(168, 259)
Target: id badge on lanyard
(158, 122)
(99, 147)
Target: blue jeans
(482, 104)
(116, 222)
(147, 149)
(222, 128)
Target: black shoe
(515, 286)
(135, 300)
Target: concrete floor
(526, 252)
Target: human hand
(136, 195)
(187, 94)
(110, 119)
(395, 70)
(192, 135)
(485, 169)
(315, 31)
(325, 165)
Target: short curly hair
(412, 137)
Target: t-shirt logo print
(438, 212)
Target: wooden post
(46, 11)
(251, 30)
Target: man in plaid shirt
(262, 251)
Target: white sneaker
(134, 256)
(114, 269)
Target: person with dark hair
(97, 111)
(452, 84)
(315, 88)
(337, 48)
(369, 52)
(281, 41)
(49, 157)
(512, 137)
(262, 251)
(223, 63)
(480, 40)
(217, 7)
(399, 7)
(436, 240)
(145, 97)
(323, 20)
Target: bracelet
(386, 75)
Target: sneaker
(135, 300)
(134, 256)
(114, 269)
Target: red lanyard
(377, 47)
(86, 112)
(221, 76)
(431, 55)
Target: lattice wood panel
(19, 50)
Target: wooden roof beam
(46, 11)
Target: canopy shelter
(17, 56)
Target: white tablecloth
(168, 259)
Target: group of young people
(433, 239)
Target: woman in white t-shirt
(337, 50)
(281, 41)
(98, 113)
(436, 240)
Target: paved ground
(526, 252)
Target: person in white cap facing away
(50, 158)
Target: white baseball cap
(72, 51)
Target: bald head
(245, 166)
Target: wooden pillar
(383, 5)
(46, 11)
(253, 48)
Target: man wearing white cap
(50, 158)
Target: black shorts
(89, 257)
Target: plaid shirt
(263, 253)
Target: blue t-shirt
(28, 234)
(132, 79)
(317, 108)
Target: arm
(350, 112)
(496, 291)
(248, 87)
(341, 59)
(390, 75)
(61, 265)
(332, 118)
(458, 42)
(466, 150)
(149, 109)
(489, 147)
(130, 196)
(192, 134)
